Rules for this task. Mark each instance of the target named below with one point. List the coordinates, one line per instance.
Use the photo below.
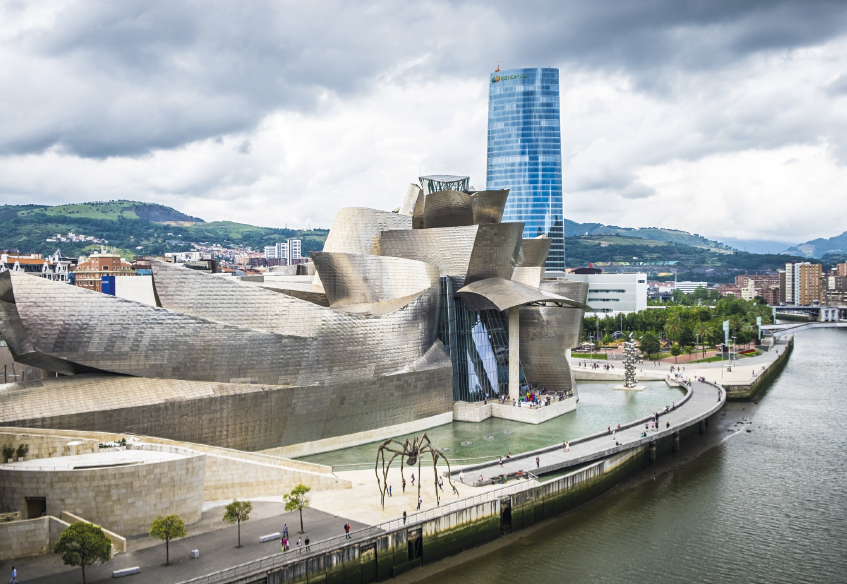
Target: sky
(723, 118)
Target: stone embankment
(746, 391)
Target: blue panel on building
(525, 153)
(107, 285)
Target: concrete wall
(477, 411)
(136, 288)
(123, 499)
(747, 391)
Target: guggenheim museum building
(409, 312)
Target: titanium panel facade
(525, 152)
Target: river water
(765, 506)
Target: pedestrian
(419, 502)
(307, 543)
(404, 518)
(389, 490)
(537, 462)
(455, 490)
(501, 462)
(441, 483)
(413, 479)
(14, 579)
(299, 545)
(462, 476)
(285, 530)
(669, 425)
(567, 446)
(284, 544)
(404, 485)
(346, 531)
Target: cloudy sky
(725, 118)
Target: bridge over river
(780, 330)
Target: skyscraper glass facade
(525, 153)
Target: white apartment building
(689, 287)
(614, 293)
(289, 250)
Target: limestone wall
(31, 537)
(477, 412)
(122, 499)
(43, 446)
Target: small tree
(82, 544)
(649, 344)
(22, 451)
(236, 512)
(168, 528)
(676, 351)
(297, 500)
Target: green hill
(130, 225)
(663, 257)
(573, 229)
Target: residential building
(525, 153)
(803, 283)
(761, 280)
(88, 274)
(841, 269)
(183, 256)
(689, 287)
(771, 294)
(614, 293)
(55, 267)
(288, 252)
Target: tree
(82, 544)
(297, 500)
(236, 512)
(674, 328)
(676, 351)
(703, 331)
(166, 529)
(649, 344)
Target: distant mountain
(817, 248)
(131, 227)
(573, 229)
(756, 245)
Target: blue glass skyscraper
(525, 152)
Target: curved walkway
(701, 401)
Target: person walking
(299, 545)
(404, 485)
(501, 462)
(567, 446)
(389, 490)
(284, 544)
(346, 531)
(285, 530)
(413, 479)
(419, 503)
(462, 476)
(455, 490)
(14, 579)
(404, 518)
(537, 462)
(441, 483)
(307, 543)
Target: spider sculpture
(411, 452)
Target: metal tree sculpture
(629, 360)
(411, 452)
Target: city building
(841, 269)
(401, 316)
(55, 267)
(287, 252)
(803, 283)
(183, 256)
(89, 273)
(525, 153)
(689, 287)
(761, 280)
(614, 293)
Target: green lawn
(598, 356)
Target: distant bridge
(779, 330)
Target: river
(766, 505)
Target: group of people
(286, 543)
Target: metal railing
(294, 555)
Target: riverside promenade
(701, 401)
